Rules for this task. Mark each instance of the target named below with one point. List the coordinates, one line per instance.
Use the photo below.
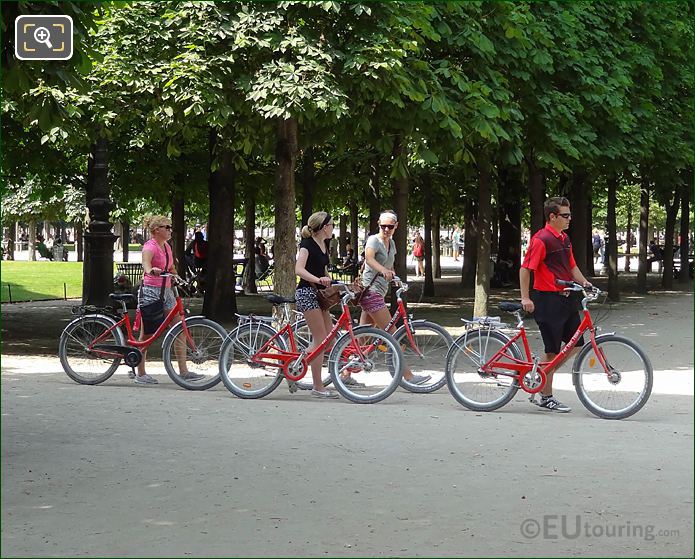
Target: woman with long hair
(311, 267)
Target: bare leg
(316, 321)
(180, 349)
(141, 365)
(381, 319)
(548, 388)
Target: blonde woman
(311, 267)
(380, 255)
(157, 258)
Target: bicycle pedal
(292, 386)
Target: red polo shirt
(550, 257)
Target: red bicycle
(256, 357)
(611, 374)
(93, 346)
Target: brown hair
(552, 206)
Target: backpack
(417, 250)
(200, 250)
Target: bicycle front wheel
(197, 353)
(303, 339)
(243, 377)
(472, 388)
(624, 389)
(80, 361)
(425, 355)
(374, 362)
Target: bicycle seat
(277, 300)
(508, 306)
(127, 297)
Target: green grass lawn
(36, 281)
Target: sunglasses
(389, 227)
(167, 227)
(566, 216)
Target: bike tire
(467, 354)
(239, 378)
(433, 354)
(76, 360)
(588, 374)
(208, 337)
(384, 381)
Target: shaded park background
(240, 114)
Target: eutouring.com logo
(561, 526)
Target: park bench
(133, 272)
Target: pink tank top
(158, 261)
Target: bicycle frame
(495, 364)
(270, 355)
(143, 345)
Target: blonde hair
(151, 222)
(314, 224)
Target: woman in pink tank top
(157, 258)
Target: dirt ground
(125, 470)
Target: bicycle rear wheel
(476, 390)
(376, 373)
(242, 377)
(303, 339)
(428, 357)
(82, 363)
(629, 385)
(201, 351)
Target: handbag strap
(166, 269)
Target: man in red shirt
(550, 258)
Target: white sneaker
(145, 379)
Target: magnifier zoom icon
(43, 36)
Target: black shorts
(557, 317)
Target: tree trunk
(179, 231)
(536, 194)
(400, 205)
(509, 216)
(628, 234)
(643, 267)
(250, 239)
(285, 221)
(590, 270)
(354, 225)
(612, 248)
(308, 184)
(578, 228)
(125, 228)
(470, 244)
(79, 246)
(684, 276)
(482, 276)
(428, 288)
(436, 245)
(343, 240)
(671, 215)
(495, 223)
(32, 241)
(374, 197)
(219, 303)
(12, 234)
